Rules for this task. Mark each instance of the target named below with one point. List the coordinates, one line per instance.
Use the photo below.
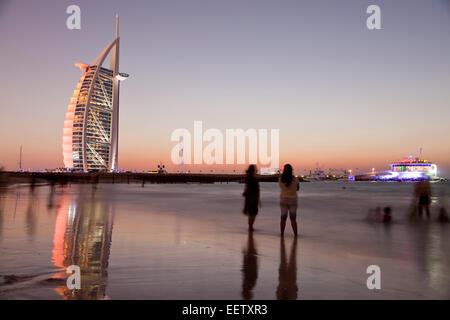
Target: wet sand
(190, 241)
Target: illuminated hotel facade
(91, 126)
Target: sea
(191, 241)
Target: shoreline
(12, 178)
(129, 177)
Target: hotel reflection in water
(82, 237)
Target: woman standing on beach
(251, 194)
(288, 198)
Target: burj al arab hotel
(90, 135)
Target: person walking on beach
(422, 192)
(251, 194)
(289, 186)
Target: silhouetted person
(251, 194)
(2, 192)
(50, 202)
(249, 268)
(443, 216)
(31, 217)
(3, 183)
(387, 217)
(287, 273)
(422, 191)
(288, 198)
(32, 184)
(64, 181)
(1, 212)
(95, 178)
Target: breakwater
(126, 177)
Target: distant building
(90, 135)
(269, 171)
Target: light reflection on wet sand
(190, 242)
(82, 237)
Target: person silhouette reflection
(287, 277)
(249, 268)
(95, 179)
(31, 215)
(51, 196)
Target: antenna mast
(20, 159)
(117, 25)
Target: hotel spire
(117, 25)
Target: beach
(190, 241)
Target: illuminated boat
(414, 168)
(409, 169)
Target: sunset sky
(341, 95)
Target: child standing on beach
(288, 198)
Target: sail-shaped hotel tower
(90, 135)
